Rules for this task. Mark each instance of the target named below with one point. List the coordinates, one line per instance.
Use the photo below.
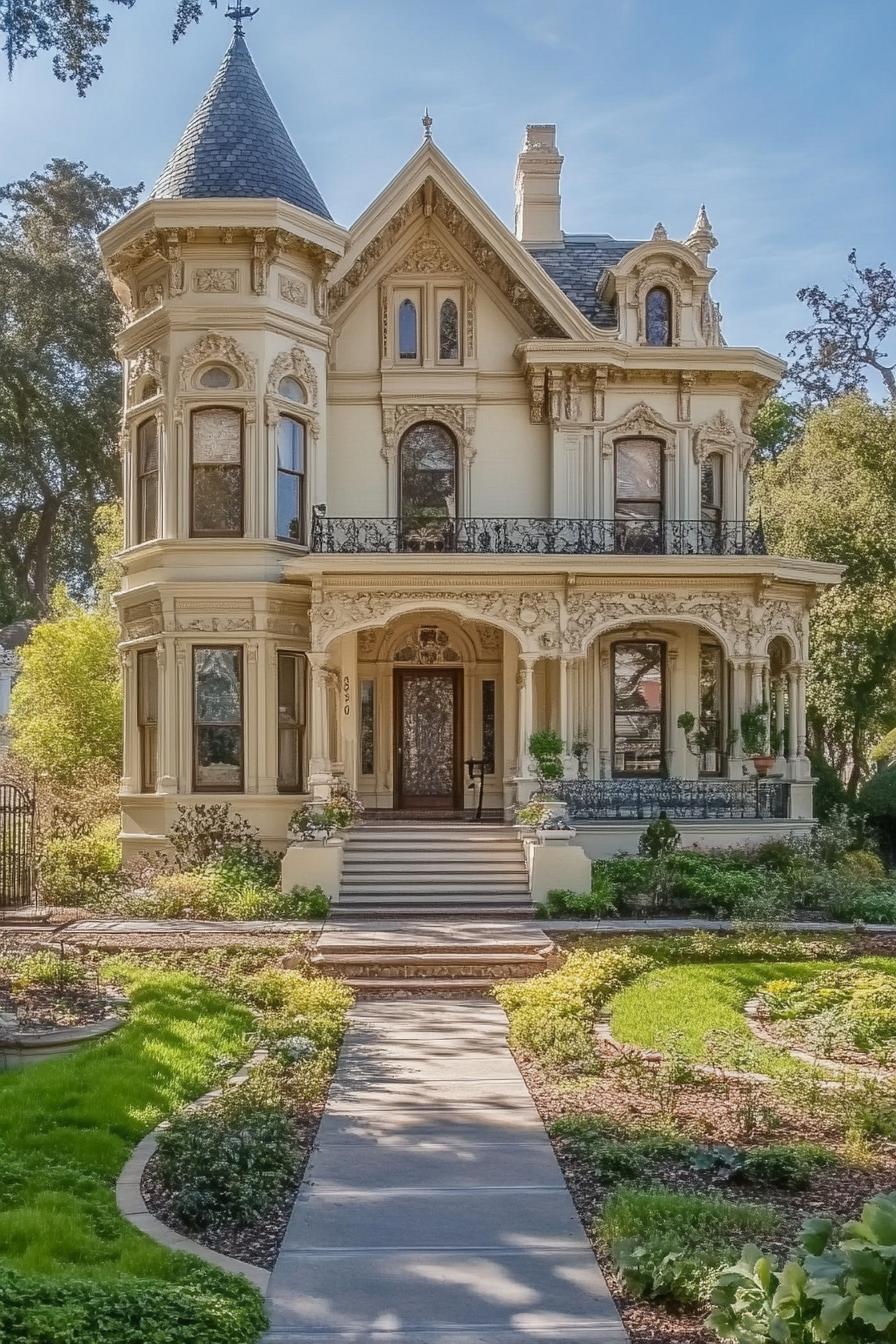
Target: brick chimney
(537, 220)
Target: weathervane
(238, 13)
(427, 124)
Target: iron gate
(16, 846)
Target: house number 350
(346, 695)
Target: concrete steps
(418, 868)
(378, 959)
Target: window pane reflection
(638, 696)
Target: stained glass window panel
(368, 728)
(449, 331)
(217, 472)
(658, 317)
(218, 718)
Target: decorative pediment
(214, 345)
(720, 434)
(431, 202)
(147, 363)
(294, 363)
(641, 421)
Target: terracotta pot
(762, 764)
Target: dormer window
(407, 330)
(658, 316)
(449, 332)
(216, 377)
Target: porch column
(755, 683)
(801, 712)
(604, 723)
(320, 765)
(736, 708)
(793, 699)
(526, 688)
(564, 704)
(167, 763)
(779, 716)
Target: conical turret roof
(236, 144)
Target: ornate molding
(685, 387)
(722, 434)
(535, 376)
(142, 620)
(216, 280)
(214, 345)
(652, 275)
(294, 291)
(147, 363)
(294, 363)
(427, 256)
(641, 421)
(459, 418)
(533, 617)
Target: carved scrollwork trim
(147, 363)
(459, 418)
(720, 434)
(296, 364)
(641, 421)
(214, 345)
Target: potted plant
(698, 740)
(546, 750)
(580, 749)
(318, 821)
(533, 815)
(754, 735)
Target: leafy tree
(65, 715)
(777, 425)
(831, 496)
(60, 381)
(846, 340)
(75, 31)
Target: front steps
(426, 957)
(433, 869)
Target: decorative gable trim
(427, 257)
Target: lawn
(78, 1270)
(688, 1000)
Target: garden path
(433, 1210)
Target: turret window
(217, 719)
(148, 480)
(216, 473)
(292, 390)
(408, 345)
(216, 377)
(658, 317)
(711, 500)
(290, 479)
(148, 717)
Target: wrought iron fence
(532, 536)
(16, 846)
(697, 799)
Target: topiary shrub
(659, 838)
(81, 869)
(546, 749)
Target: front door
(428, 738)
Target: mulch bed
(259, 1242)
(708, 1112)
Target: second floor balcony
(532, 536)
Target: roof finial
(701, 239)
(237, 13)
(427, 124)
(659, 233)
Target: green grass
(67, 1128)
(694, 998)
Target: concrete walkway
(433, 1210)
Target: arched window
(148, 480)
(658, 317)
(427, 486)
(639, 495)
(407, 329)
(711, 503)
(216, 377)
(216, 473)
(290, 479)
(449, 331)
(291, 390)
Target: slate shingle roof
(236, 144)
(578, 265)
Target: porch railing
(697, 799)
(532, 536)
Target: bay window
(218, 719)
(216, 473)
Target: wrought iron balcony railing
(532, 536)
(699, 799)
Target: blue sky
(779, 115)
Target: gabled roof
(577, 266)
(236, 145)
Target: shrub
(53, 969)
(837, 1287)
(613, 1153)
(861, 863)
(546, 749)
(304, 903)
(200, 1304)
(857, 1006)
(789, 1166)
(228, 1162)
(829, 791)
(552, 1016)
(205, 830)
(861, 902)
(671, 1245)
(659, 838)
(81, 869)
(579, 904)
(300, 1005)
(180, 896)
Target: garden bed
(645, 1144)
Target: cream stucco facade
(245, 317)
